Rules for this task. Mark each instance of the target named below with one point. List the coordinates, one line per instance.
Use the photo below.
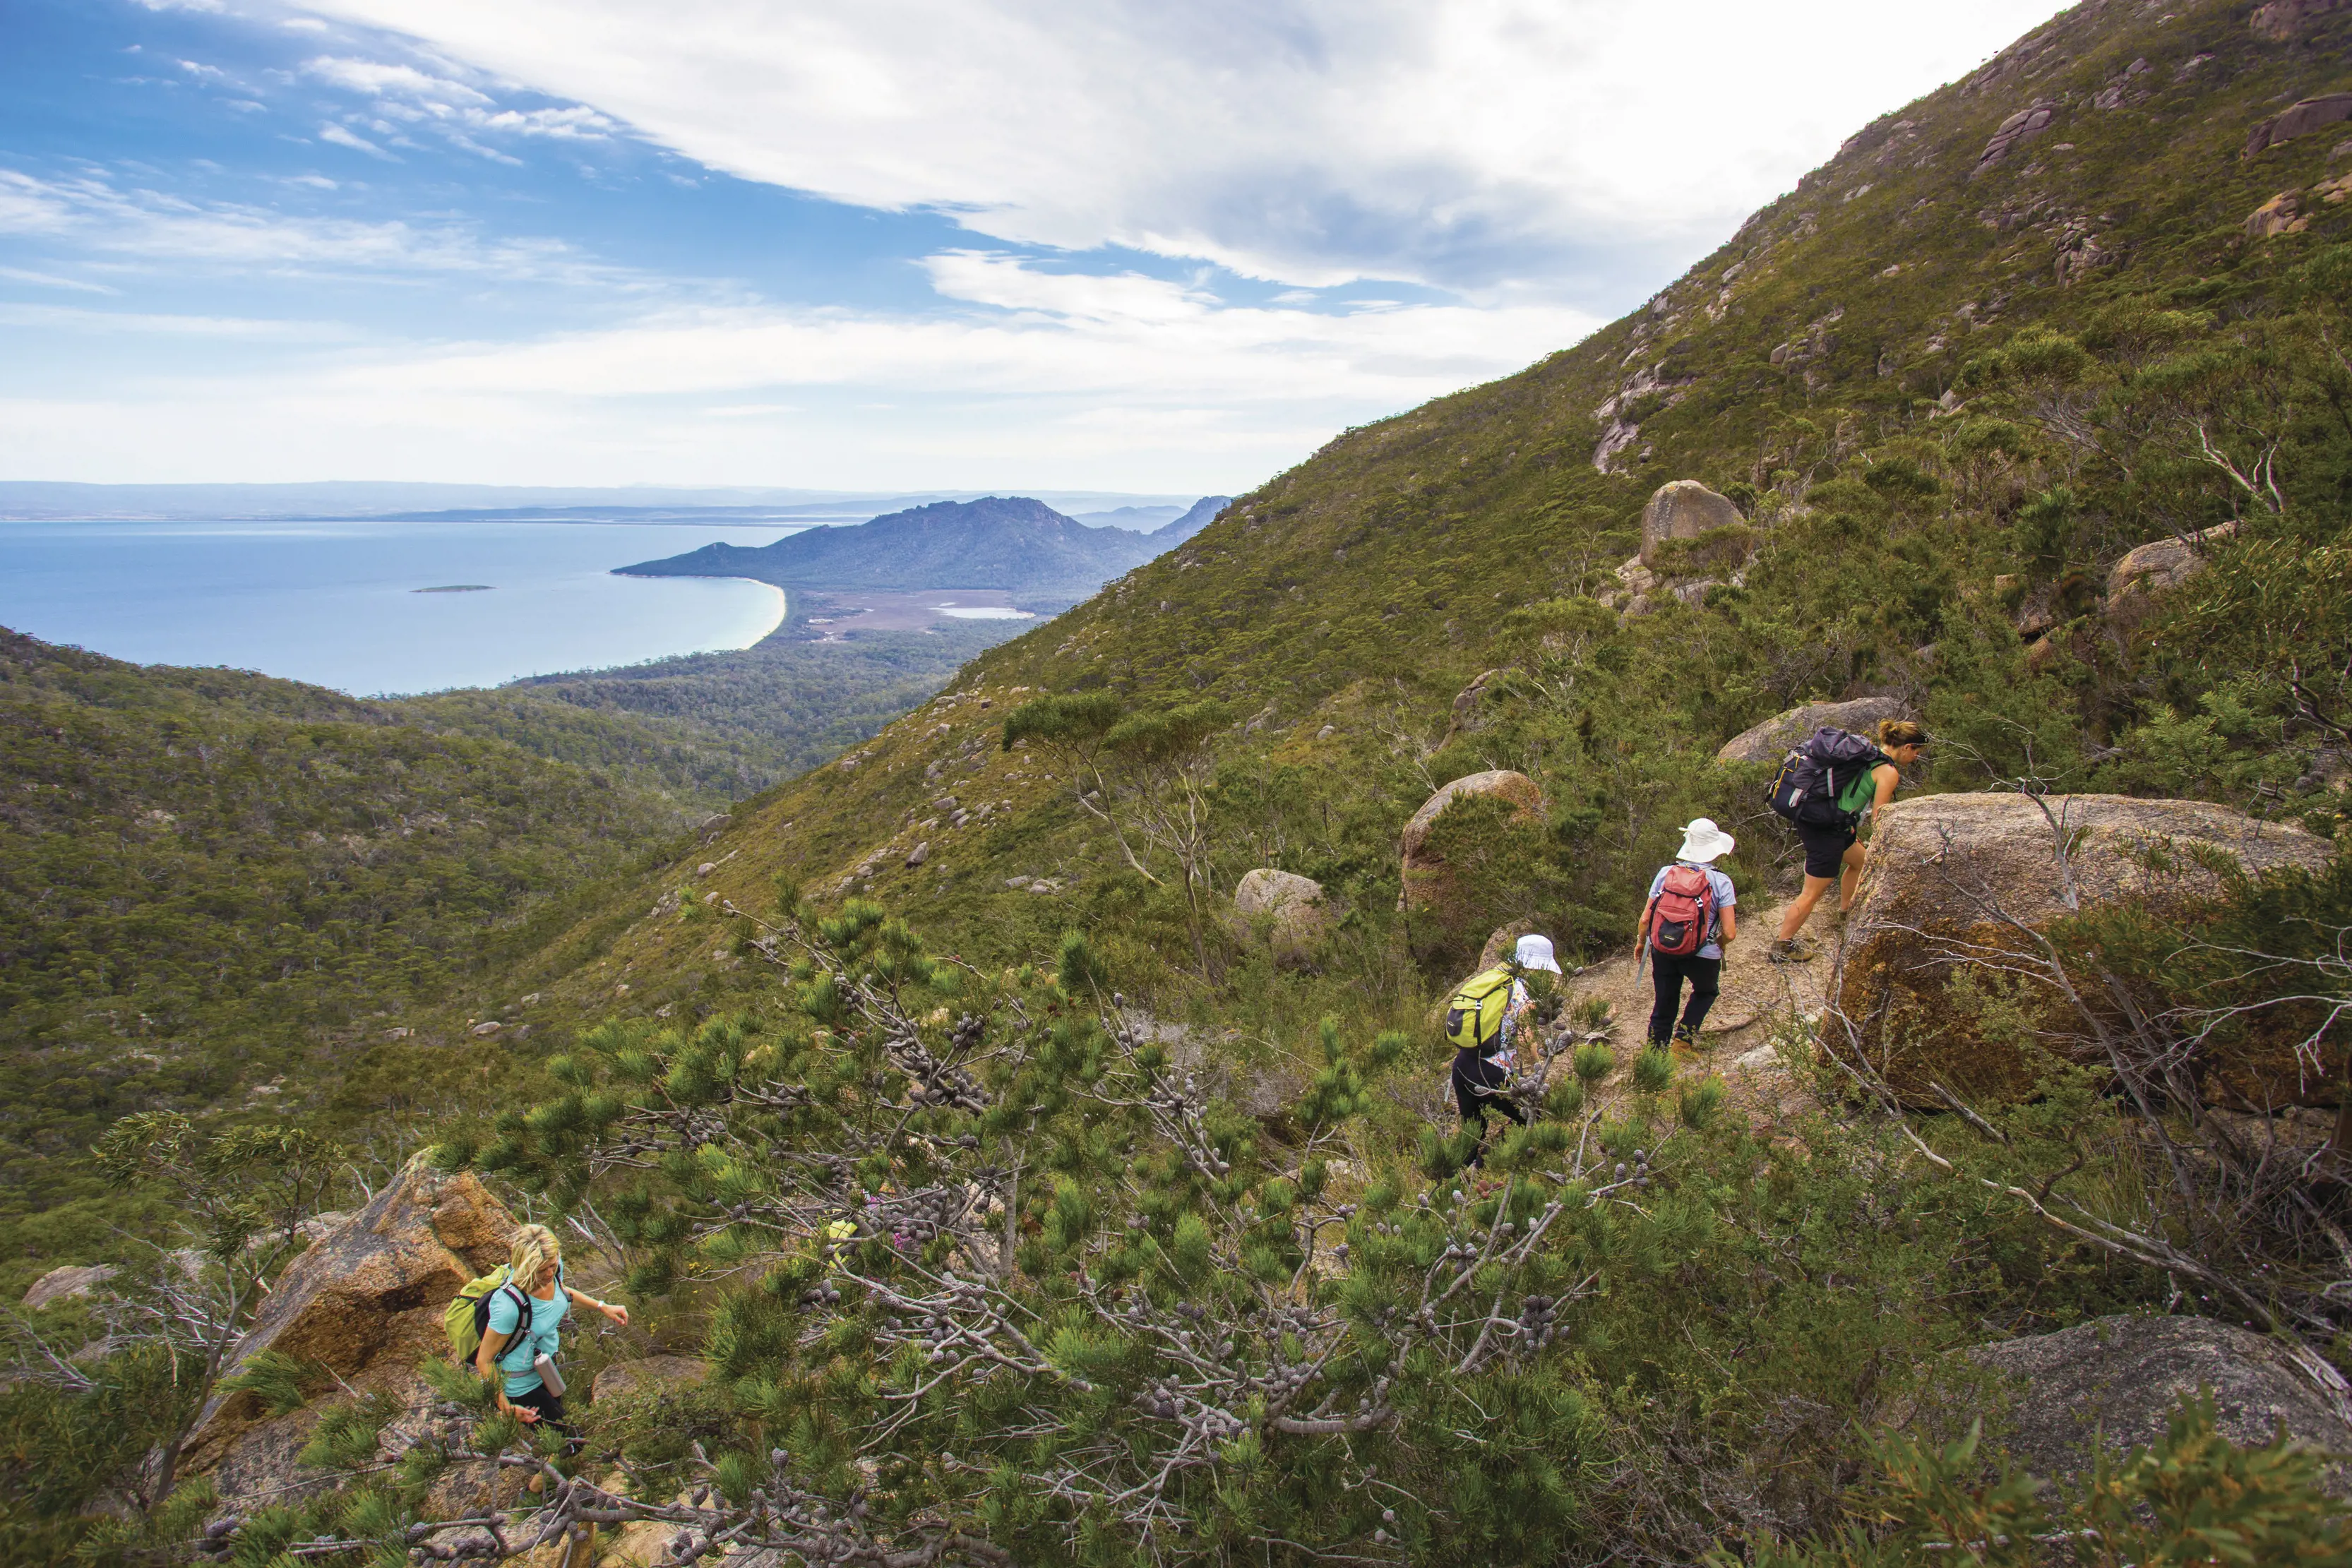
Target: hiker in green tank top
(1834, 850)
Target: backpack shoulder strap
(524, 1322)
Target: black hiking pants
(1478, 1089)
(549, 1408)
(1667, 974)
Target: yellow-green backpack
(467, 1317)
(1474, 1015)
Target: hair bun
(1901, 732)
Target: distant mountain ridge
(31, 500)
(1014, 543)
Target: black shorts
(1478, 1084)
(1825, 848)
(549, 1407)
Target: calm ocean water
(336, 603)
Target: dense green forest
(1019, 1205)
(214, 883)
(778, 709)
(223, 893)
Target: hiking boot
(1685, 1041)
(1793, 951)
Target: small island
(455, 588)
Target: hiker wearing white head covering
(1481, 1074)
(1686, 924)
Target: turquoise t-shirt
(541, 1339)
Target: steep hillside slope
(714, 727)
(2009, 333)
(208, 876)
(1012, 543)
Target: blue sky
(908, 244)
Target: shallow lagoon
(341, 603)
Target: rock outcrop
(2117, 1379)
(2160, 564)
(2021, 127)
(1683, 509)
(2300, 119)
(2281, 215)
(1770, 741)
(364, 1302)
(2281, 20)
(64, 1284)
(1456, 902)
(1298, 915)
(1501, 943)
(1465, 706)
(646, 1378)
(1957, 880)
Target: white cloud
(403, 92)
(148, 324)
(1050, 334)
(343, 138)
(1468, 142)
(379, 80)
(1026, 378)
(103, 218)
(51, 280)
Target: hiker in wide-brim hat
(1688, 921)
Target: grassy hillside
(208, 878)
(753, 716)
(1947, 389)
(994, 1271)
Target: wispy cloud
(1472, 143)
(351, 139)
(438, 99)
(1021, 376)
(51, 280)
(1137, 339)
(100, 217)
(149, 324)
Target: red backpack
(1683, 915)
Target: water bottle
(545, 1364)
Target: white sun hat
(1535, 953)
(1704, 842)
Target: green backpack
(467, 1317)
(1474, 1015)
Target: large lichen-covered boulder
(2152, 568)
(1770, 741)
(1957, 884)
(1683, 509)
(1464, 861)
(65, 1284)
(2299, 120)
(1295, 911)
(364, 1302)
(2117, 1379)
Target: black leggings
(1477, 1085)
(1667, 972)
(549, 1407)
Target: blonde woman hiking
(527, 1314)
